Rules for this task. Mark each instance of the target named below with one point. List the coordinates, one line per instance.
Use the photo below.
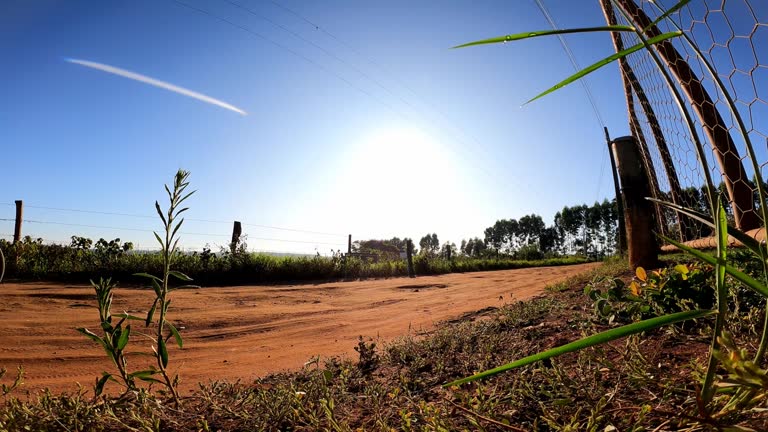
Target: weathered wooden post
(17, 226)
(409, 257)
(237, 230)
(642, 246)
(622, 237)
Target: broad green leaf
(159, 240)
(589, 341)
(151, 313)
(123, 340)
(163, 351)
(621, 54)
(742, 277)
(176, 228)
(669, 12)
(95, 338)
(156, 286)
(176, 335)
(143, 373)
(528, 35)
(98, 389)
(179, 275)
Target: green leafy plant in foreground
(115, 338)
(161, 285)
(116, 335)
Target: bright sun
(400, 179)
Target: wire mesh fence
(698, 105)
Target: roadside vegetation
(33, 260)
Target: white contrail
(157, 83)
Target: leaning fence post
(17, 226)
(622, 237)
(642, 246)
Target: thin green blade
(669, 12)
(589, 69)
(589, 341)
(151, 313)
(179, 275)
(532, 34)
(750, 242)
(123, 340)
(163, 350)
(176, 335)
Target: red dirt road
(248, 331)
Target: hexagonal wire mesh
(717, 131)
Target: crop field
(248, 331)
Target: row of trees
(582, 229)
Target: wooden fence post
(17, 226)
(237, 230)
(639, 213)
(622, 237)
(409, 256)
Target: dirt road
(244, 332)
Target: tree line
(577, 230)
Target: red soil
(244, 332)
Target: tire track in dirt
(245, 332)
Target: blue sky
(429, 139)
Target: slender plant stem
(722, 303)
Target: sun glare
(398, 178)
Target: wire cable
(189, 219)
(584, 83)
(572, 58)
(446, 119)
(388, 106)
(185, 233)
